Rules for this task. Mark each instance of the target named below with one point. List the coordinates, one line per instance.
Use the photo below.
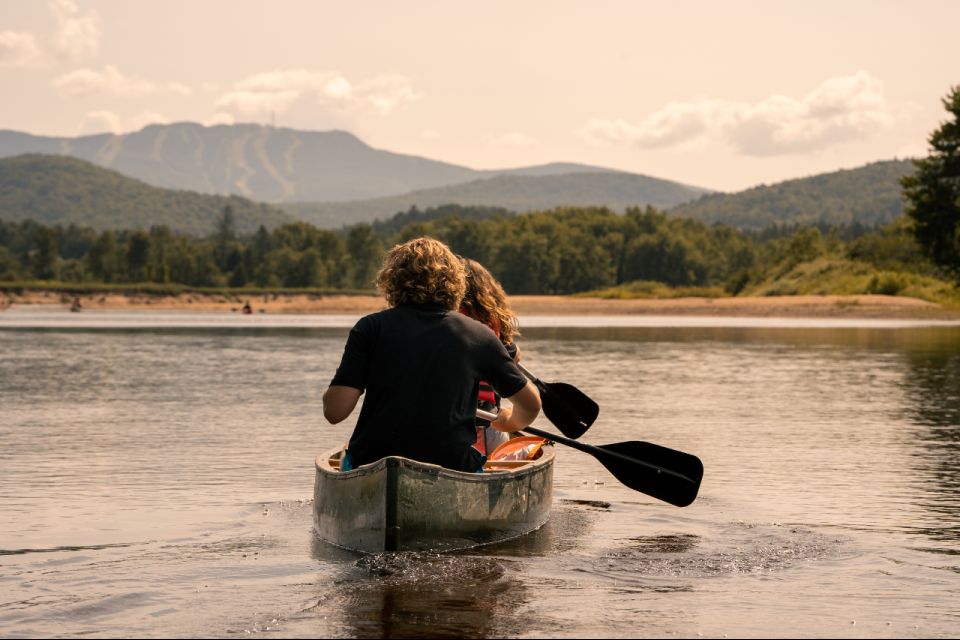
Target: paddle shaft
(534, 379)
(592, 450)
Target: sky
(719, 94)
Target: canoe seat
(334, 460)
(505, 465)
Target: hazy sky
(718, 94)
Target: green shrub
(887, 284)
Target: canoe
(398, 504)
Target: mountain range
(516, 192)
(265, 163)
(199, 165)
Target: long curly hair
(422, 271)
(486, 301)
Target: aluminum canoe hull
(398, 504)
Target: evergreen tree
(226, 234)
(365, 249)
(933, 193)
(102, 258)
(9, 266)
(138, 256)
(45, 255)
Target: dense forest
(561, 251)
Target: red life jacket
(487, 398)
(487, 394)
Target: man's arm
(526, 408)
(339, 402)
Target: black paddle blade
(676, 481)
(568, 408)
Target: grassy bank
(826, 276)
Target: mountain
(61, 190)
(263, 163)
(869, 195)
(517, 192)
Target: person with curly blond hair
(486, 301)
(420, 363)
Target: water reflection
(932, 388)
(478, 593)
(424, 595)
(925, 338)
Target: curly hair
(422, 271)
(486, 301)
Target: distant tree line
(292, 255)
(561, 251)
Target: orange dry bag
(522, 448)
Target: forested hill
(519, 193)
(60, 190)
(867, 195)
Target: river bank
(849, 306)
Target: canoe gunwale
(323, 465)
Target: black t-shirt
(420, 366)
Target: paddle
(568, 408)
(662, 473)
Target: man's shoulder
(372, 319)
(466, 323)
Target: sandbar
(815, 306)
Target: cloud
(111, 81)
(248, 103)
(220, 118)
(283, 90)
(111, 122)
(77, 35)
(144, 119)
(18, 49)
(676, 123)
(100, 121)
(385, 93)
(839, 110)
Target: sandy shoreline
(854, 306)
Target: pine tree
(933, 192)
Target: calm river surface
(156, 472)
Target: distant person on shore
(247, 308)
(76, 305)
(486, 302)
(420, 363)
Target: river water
(156, 471)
